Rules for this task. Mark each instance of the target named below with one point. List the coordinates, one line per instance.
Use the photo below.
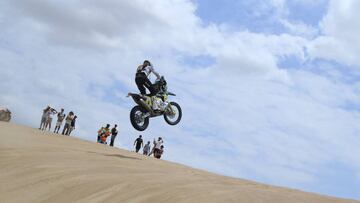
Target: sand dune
(37, 166)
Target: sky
(269, 89)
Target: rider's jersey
(147, 70)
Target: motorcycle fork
(170, 109)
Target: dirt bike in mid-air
(143, 111)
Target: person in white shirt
(49, 116)
(60, 119)
(142, 78)
(157, 146)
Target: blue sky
(239, 15)
(260, 16)
(269, 89)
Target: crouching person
(158, 152)
(103, 133)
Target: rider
(142, 80)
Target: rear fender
(135, 97)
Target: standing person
(139, 143)
(43, 118)
(72, 125)
(49, 117)
(157, 145)
(67, 125)
(60, 119)
(103, 133)
(146, 148)
(142, 77)
(114, 133)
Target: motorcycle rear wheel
(137, 121)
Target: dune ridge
(38, 166)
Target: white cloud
(341, 28)
(300, 28)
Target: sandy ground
(38, 166)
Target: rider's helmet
(146, 63)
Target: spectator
(100, 132)
(49, 116)
(60, 119)
(139, 143)
(43, 118)
(72, 125)
(103, 133)
(159, 152)
(157, 145)
(114, 133)
(67, 125)
(146, 148)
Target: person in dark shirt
(138, 142)
(72, 125)
(114, 132)
(159, 152)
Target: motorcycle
(143, 111)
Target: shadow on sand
(114, 155)
(121, 156)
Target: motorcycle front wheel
(137, 118)
(173, 113)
